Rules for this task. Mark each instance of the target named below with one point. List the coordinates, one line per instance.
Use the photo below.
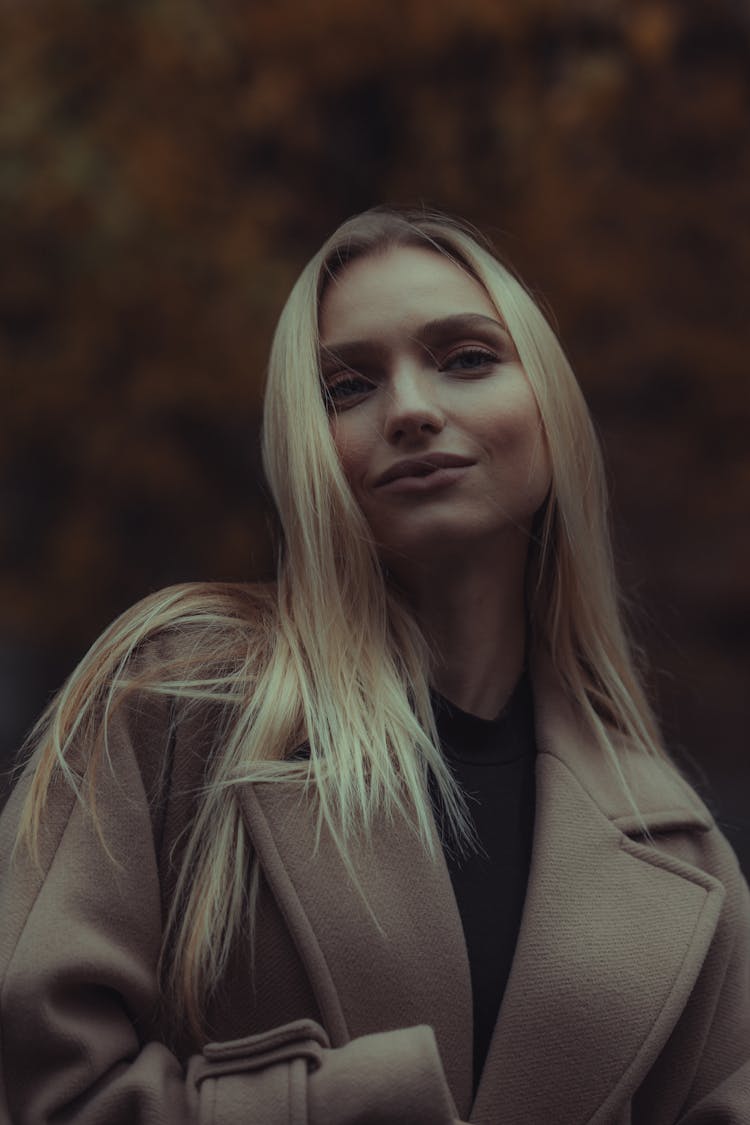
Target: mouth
(429, 480)
(422, 466)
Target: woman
(393, 839)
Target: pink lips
(421, 467)
(430, 482)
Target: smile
(429, 482)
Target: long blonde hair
(330, 654)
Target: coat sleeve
(79, 944)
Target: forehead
(398, 289)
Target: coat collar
(665, 801)
(612, 936)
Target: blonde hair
(332, 654)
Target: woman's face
(418, 362)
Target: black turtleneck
(493, 760)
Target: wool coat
(628, 1001)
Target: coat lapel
(612, 937)
(409, 967)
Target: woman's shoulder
(196, 605)
(184, 628)
(184, 654)
(173, 653)
(174, 662)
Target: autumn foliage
(166, 169)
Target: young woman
(393, 839)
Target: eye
(470, 359)
(336, 391)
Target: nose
(411, 402)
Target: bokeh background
(167, 167)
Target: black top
(493, 760)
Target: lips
(421, 466)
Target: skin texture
(459, 552)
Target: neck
(476, 622)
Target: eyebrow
(433, 332)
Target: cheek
(539, 467)
(520, 442)
(352, 450)
(515, 430)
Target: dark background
(167, 167)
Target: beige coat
(628, 1000)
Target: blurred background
(168, 166)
